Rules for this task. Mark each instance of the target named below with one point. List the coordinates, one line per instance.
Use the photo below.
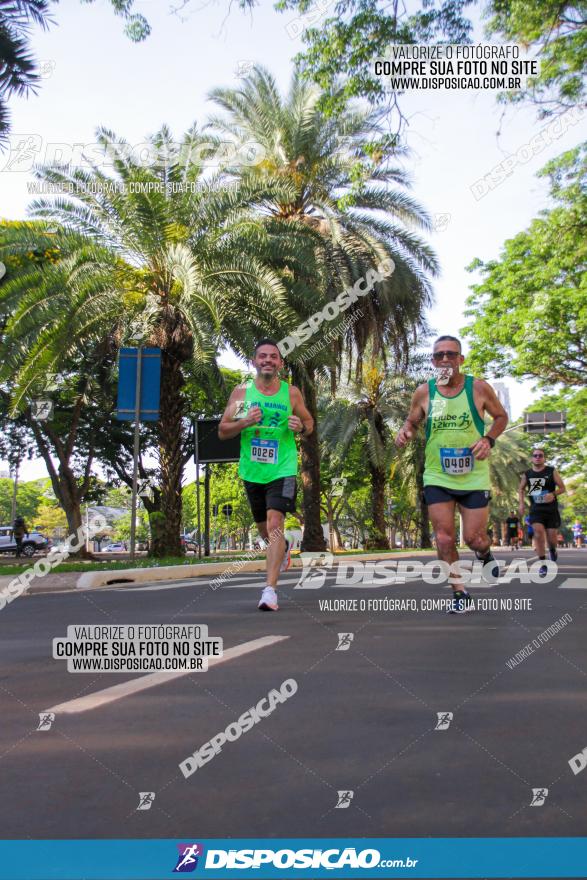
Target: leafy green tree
(557, 34)
(341, 46)
(51, 518)
(530, 310)
(121, 529)
(29, 497)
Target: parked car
(32, 543)
(117, 547)
(188, 543)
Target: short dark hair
(452, 339)
(265, 341)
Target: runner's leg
(475, 528)
(442, 517)
(276, 548)
(539, 540)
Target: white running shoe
(268, 601)
(286, 561)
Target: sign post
(139, 383)
(135, 454)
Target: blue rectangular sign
(150, 384)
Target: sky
(94, 76)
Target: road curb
(93, 580)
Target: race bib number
(538, 497)
(456, 461)
(264, 451)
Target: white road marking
(574, 584)
(135, 685)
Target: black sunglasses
(451, 355)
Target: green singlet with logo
(452, 427)
(268, 449)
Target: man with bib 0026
(268, 413)
(456, 472)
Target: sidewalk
(51, 583)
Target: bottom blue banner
(307, 859)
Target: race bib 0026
(264, 451)
(456, 461)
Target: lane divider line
(153, 679)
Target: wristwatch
(491, 440)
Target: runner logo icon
(539, 795)
(315, 568)
(344, 799)
(344, 641)
(444, 719)
(187, 860)
(46, 719)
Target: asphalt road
(362, 720)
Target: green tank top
(453, 425)
(268, 449)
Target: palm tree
(160, 247)
(364, 411)
(341, 174)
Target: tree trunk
(377, 539)
(166, 540)
(68, 496)
(313, 538)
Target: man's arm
(229, 427)
(522, 496)
(300, 421)
(492, 405)
(415, 417)
(560, 488)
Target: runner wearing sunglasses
(456, 472)
(543, 483)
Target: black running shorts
(550, 519)
(279, 494)
(471, 499)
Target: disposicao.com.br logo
(316, 566)
(325, 859)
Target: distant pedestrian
(19, 530)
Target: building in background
(504, 397)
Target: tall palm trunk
(166, 541)
(378, 537)
(310, 467)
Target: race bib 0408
(264, 451)
(456, 461)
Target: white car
(32, 543)
(118, 547)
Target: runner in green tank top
(267, 413)
(456, 468)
